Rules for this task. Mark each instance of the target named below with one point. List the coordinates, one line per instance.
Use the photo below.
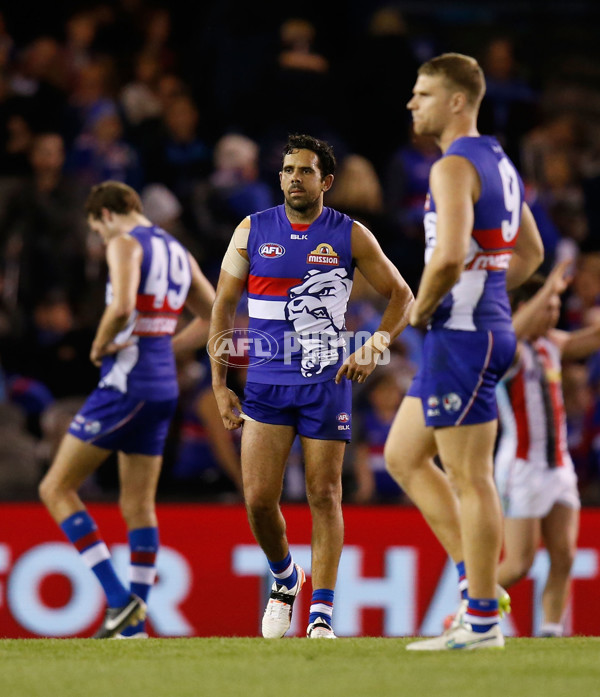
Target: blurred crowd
(192, 108)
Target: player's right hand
(559, 278)
(230, 407)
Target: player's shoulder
(123, 244)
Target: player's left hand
(97, 353)
(359, 365)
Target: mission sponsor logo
(271, 250)
(323, 254)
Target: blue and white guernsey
(299, 283)
(146, 369)
(479, 301)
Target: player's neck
(130, 221)
(455, 131)
(305, 217)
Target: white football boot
(320, 629)
(461, 637)
(278, 613)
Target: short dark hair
(322, 150)
(115, 196)
(461, 71)
(526, 291)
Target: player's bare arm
(124, 258)
(455, 188)
(527, 317)
(229, 291)
(528, 252)
(199, 302)
(578, 344)
(386, 280)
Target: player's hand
(359, 365)
(560, 277)
(417, 319)
(230, 407)
(98, 352)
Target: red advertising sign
(394, 579)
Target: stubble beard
(302, 206)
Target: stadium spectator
(100, 152)
(509, 108)
(232, 191)
(179, 157)
(42, 234)
(139, 97)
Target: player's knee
(258, 502)
(324, 495)
(477, 483)
(393, 463)
(561, 560)
(518, 566)
(43, 490)
(137, 513)
(48, 491)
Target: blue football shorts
(457, 379)
(115, 421)
(321, 410)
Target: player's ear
(327, 182)
(458, 102)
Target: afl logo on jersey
(271, 250)
(343, 417)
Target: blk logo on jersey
(343, 419)
(323, 254)
(271, 250)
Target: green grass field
(255, 667)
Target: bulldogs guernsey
(479, 301)
(146, 369)
(299, 283)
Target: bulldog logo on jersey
(316, 309)
(452, 402)
(323, 254)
